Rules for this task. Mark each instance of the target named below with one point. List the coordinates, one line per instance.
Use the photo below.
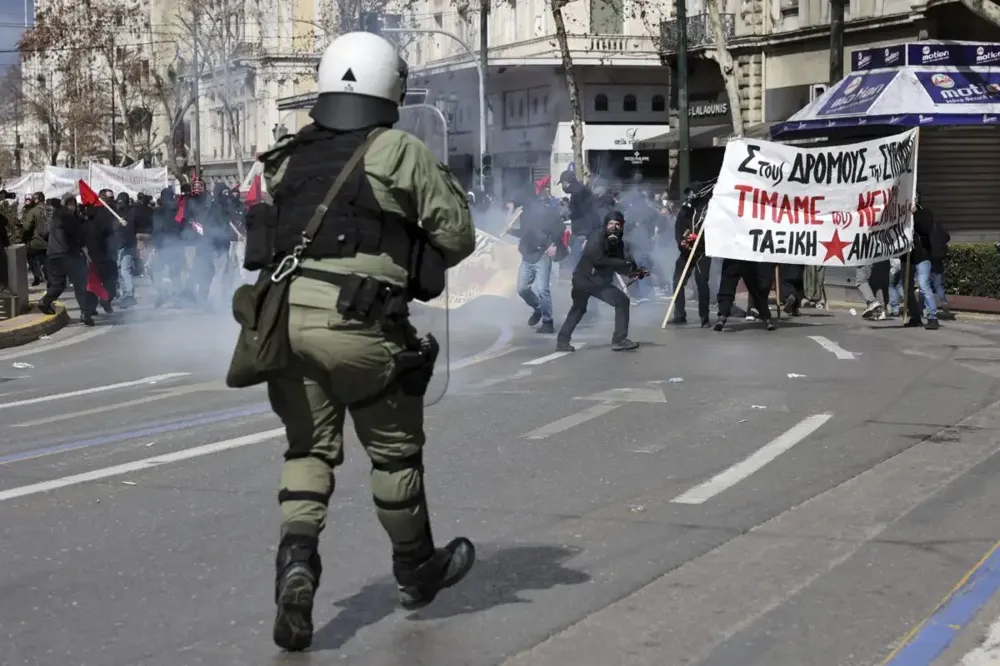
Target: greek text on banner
(844, 205)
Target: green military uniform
(345, 362)
(350, 364)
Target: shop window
(659, 103)
(601, 102)
(629, 104)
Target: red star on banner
(834, 247)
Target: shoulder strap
(312, 228)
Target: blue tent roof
(908, 85)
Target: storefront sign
(961, 87)
(844, 205)
(708, 109)
(857, 93)
(885, 56)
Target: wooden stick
(680, 283)
(913, 231)
(777, 291)
(514, 218)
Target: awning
(702, 136)
(759, 131)
(902, 97)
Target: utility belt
(364, 298)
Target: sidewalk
(31, 326)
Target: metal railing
(699, 32)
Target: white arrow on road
(607, 402)
(159, 394)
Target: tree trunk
(726, 66)
(576, 127)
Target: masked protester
(169, 262)
(686, 235)
(102, 245)
(198, 231)
(584, 214)
(758, 279)
(128, 249)
(349, 330)
(604, 256)
(66, 260)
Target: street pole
(114, 114)
(836, 41)
(196, 92)
(480, 70)
(484, 61)
(683, 121)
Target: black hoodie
(600, 260)
(166, 228)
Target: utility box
(17, 277)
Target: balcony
(699, 32)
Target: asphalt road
(804, 497)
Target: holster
(415, 367)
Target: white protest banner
(844, 205)
(131, 181)
(59, 181)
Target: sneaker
(880, 316)
(720, 324)
(932, 325)
(679, 320)
(535, 317)
(46, 308)
(913, 323)
(705, 323)
(87, 320)
(946, 315)
(107, 307)
(752, 314)
(771, 325)
(564, 346)
(624, 345)
(872, 310)
(547, 328)
(789, 305)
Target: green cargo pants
(348, 366)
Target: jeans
(861, 277)
(533, 285)
(126, 261)
(924, 280)
(937, 283)
(896, 290)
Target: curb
(47, 325)
(959, 314)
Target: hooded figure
(65, 260)
(102, 245)
(168, 261)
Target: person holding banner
(686, 234)
(604, 256)
(757, 277)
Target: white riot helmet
(361, 82)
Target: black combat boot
(721, 324)
(299, 568)
(420, 583)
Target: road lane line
(138, 465)
(573, 420)
(741, 470)
(37, 348)
(170, 393)
(96, 389)
(925, 643)
(553, 356)
(832, 347)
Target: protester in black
(604, 256)
(757, 278)
(686, 236)
(65, 260)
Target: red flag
(88, 197)
(254, 194)
(181, 207)
(94, 284)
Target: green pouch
(262, 349)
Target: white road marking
(573, 420)
(162, 395)
(479, 358)
(493, 381)
(138, 465)
(987, 654)
(553, 356)
(34, 348)
(96, 389)
(627, 395)
(741, 470)
(833, 348)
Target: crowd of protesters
(190, 245)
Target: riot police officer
(348, 319)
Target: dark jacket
(102, 241)
(923, 230)
(67, 234)
(684, 227)
(600, 261)
(142, 216)
(539, 227)
(584, 214)
(36, 227)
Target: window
(659, 103)
(545, 104)
(520, 108)
(601, 102)
(534, 106)
(629, 103)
